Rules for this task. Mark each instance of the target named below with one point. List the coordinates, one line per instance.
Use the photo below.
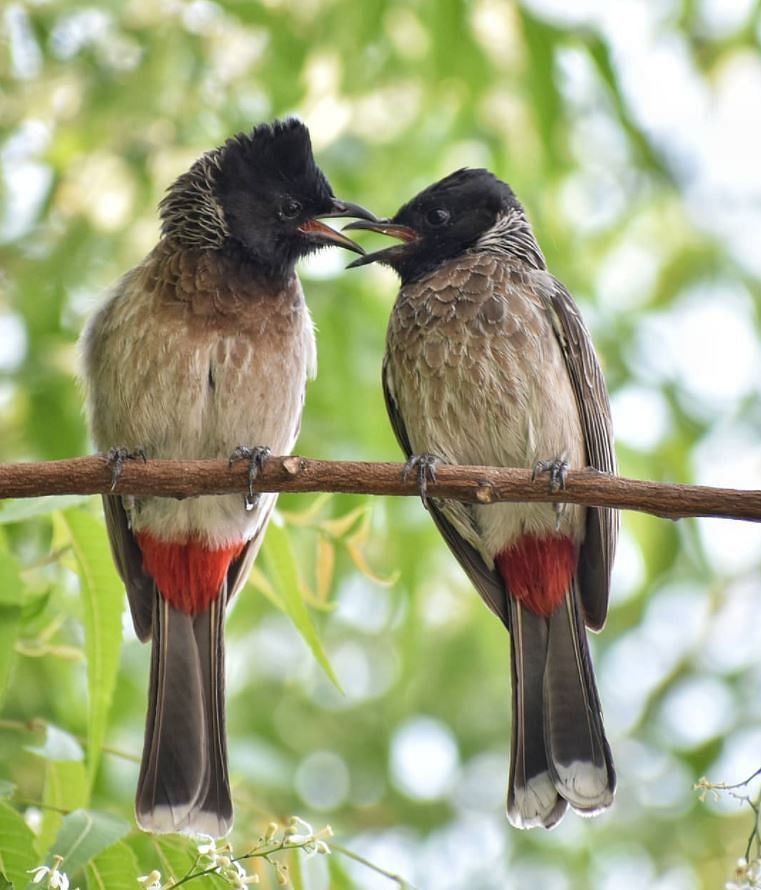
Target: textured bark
(180, 479)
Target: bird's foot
(257, 457)
(424, 467)
(557, 470)
(118, 456)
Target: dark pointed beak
(325, 235)
(384, 227)
(346, 208)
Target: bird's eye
(437, 217)
(290, 209)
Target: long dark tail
(560, 755)
(183, 783)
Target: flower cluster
(299, 833)
(221, 861)
(152, 881)
(747, 875)
(704, 787)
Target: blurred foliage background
(631, 133)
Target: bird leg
(118, 456)
(424, 466)
(257, 457)
(557, 470)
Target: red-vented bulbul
(488, 362)
(203, 347)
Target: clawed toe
(118, 456)
(424, 466)
(556, 469)
(257, 457)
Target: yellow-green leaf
(102, 602)
(307, 517)
(326, 562)
(116, 868)
(17, 853)
(11, 604)
(354, 547)
(340, 526)
(281, 563)
(83, 835)
(66, 788)
(259, 581)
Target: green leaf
(339, 879)
(7, 788)
(27, 508)
(11, 585)
(601, 56)
(281, 564)
(17, 853)
(295, 871)
(58, 745)
(10, 622)
(116, 868)
(66, 788)
(83, 835)
(11, 604)
(307, 516)
(541, 41)
(172, 856)
(34, 605)
(103, 599)
(339, 527)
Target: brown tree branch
(180, 479)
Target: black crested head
(258, 195)
(455, 214)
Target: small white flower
(298, 828)
(297, 840)
(238, 878)
(747, 875)
(151, 881)
(56, 880)
(209, 847)
(39, 873)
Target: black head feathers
(468, 210)
(280, 150)
(257, 195)
(464, 189)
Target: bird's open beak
(385, 227)
(318, 231)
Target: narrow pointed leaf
(66, 788)
(27, 508)
(17, 853)
(116, 868)
(281, 563)
(11, 604)
(83, 835)
(102, 599)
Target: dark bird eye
(438, 216)
(290, 209)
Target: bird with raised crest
(200, 351)
(488, 362)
